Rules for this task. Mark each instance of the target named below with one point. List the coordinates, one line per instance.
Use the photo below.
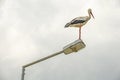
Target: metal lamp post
(72, 47)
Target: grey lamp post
(72, 47)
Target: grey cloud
(36, 11)
(30, 30)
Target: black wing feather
(77, 21)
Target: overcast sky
(32, 29)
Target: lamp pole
(70, 48)
(37, 61)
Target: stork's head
(90, 12)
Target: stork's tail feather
(67, 25)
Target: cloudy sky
(32, 29)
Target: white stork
(80, 21)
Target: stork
(78, 22)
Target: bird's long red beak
(92, 15)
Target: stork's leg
(80, 33)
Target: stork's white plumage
(80, 21)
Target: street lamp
(72, 47)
